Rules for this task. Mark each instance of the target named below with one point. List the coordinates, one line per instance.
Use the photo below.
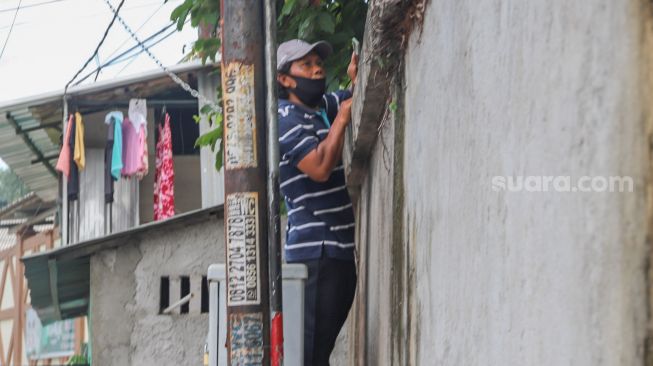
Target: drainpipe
(274, 235)
(245, 177)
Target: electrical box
(294, 277)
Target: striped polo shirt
(320, 215)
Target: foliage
(77, 360)
(335, 21)
(11, 187)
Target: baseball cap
(295, 49)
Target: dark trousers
(328, 296)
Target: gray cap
(295, 49)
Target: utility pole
(245, 174)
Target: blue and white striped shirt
(320, 215)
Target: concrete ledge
(379, 58)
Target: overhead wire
(134, 57)
(125, 55)
(31, 5)
(128, 38)
(184, 85)
(11, 29)
(106, 32)
(137, 30)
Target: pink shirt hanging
(134, 146)
(63, 164)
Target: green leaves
(288, 7)
(335, 21)
(180, 13)
(213, 138)
(326, 22)
(393, 106)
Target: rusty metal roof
(30, 128)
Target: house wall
(126, 327)
(455, 273)
(212, 180)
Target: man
(320, 232)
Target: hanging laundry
(131, 149)
(143, 163)
(108, 152)
(112, 119)
(138, 112)
(73, 179)
(79, 152)
(164, 175)
(134, 129)
(138, 116)
(116, 153)
(63, 163)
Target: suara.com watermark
(562, 183)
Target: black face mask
(309, 91)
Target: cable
(127, 39)
(174, 77)
(31, 5)
(121, 57)
(138, 29)
(106, 32)
(134, 57)
(10, 29)
(17, 25)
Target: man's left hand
(352, 69)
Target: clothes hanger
(164, 113)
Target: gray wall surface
(126, 328)
(456, 273)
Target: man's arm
(319, 163)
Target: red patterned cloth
(164, 175)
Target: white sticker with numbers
(243, 287)
(239, 116)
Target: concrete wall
(125, 283)
(455, 273)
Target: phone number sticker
(243, 286)
(239, 116)
(246, 339)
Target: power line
(174, 77)
(10, 29)
(78, 17)
(106, 32)
(31, 5)
(123, 56)
(134, 57)
(127, 39)
(17, 24)
(138, 29)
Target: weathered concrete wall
(125, 283)
(472, 276)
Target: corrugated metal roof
(66, 281)
(31, 154)
(19, 150)
(7, 240)
(8, 236)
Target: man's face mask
(309, 91)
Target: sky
(52, 39)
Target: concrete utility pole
(246, 194)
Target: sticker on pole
(239, 116)
(243, 286)
(246, 339)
